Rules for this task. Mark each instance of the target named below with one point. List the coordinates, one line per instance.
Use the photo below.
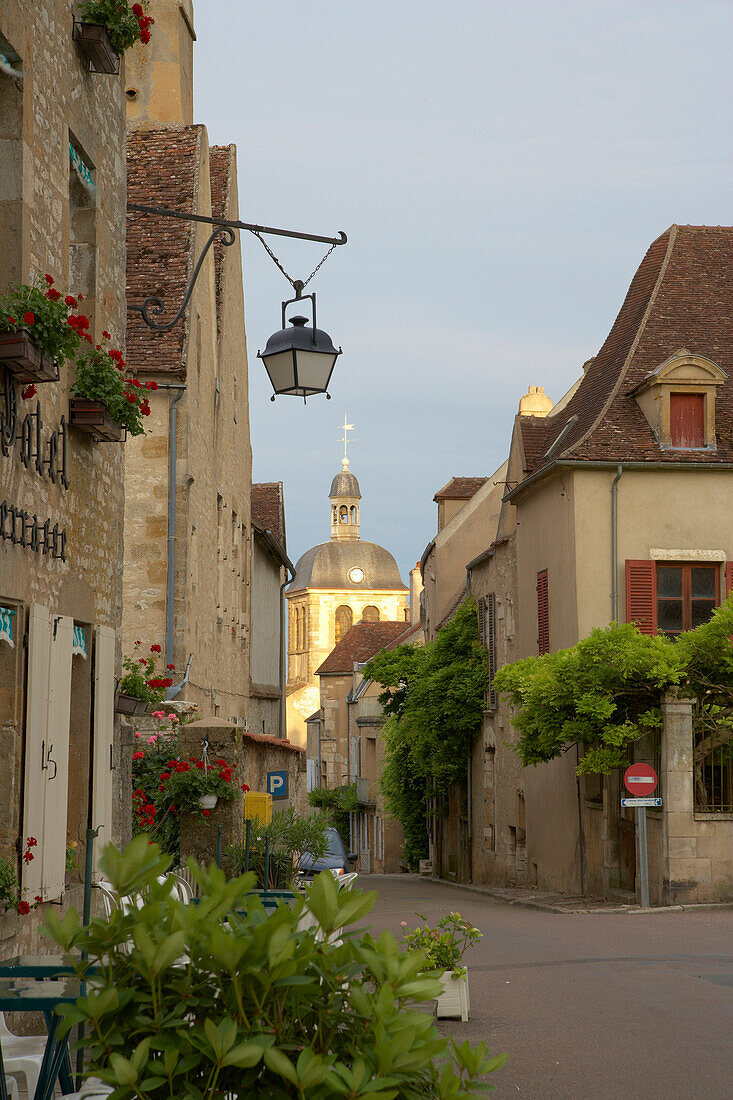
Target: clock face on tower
(356, 575)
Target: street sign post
(641, 780)
(652, 803)
(277, 784)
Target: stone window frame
(685, 372)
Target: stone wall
(50, 224)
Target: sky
(500, 168)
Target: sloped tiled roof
(161, 171)
(405, 636)
(453, 606)
(359, 644)
(266, 507)
(460, 488)
(221, 159)
(681, 297)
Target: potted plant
(37, 330)
(284, 841)
(444, 947)
(195, 785)
(107, 29)
(141, 686)
(105, 403)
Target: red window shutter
(641, 604)
(543, 613)
(728, 578)
(687, 419)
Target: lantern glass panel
(314, 370)
(280, 369)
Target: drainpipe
(281, 678)
(172, 458)
(614, 542)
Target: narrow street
(597, 1005)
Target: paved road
(598, 1005)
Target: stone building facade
(271, 570)
(345, 743)
(62, 207)
(337, 584)
(614, 511)
(187, 520)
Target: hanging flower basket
(22, 356)
(208, 801)
(92, 417)
(93, 42)
(129, 705)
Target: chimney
(535, 402)
(159, 76)
(416, 587)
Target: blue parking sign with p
(277, 784)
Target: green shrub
(287, 837)
(338, 803)
(219, 999)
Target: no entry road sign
(640, 779)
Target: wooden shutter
(641, 604)
(36, 714)
(481, 612)
(687, 419)
(543, 613)
(491, 646)
(53, 845)
(104, 719)
(728, 578)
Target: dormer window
(678, 400)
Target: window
(670, 597)
(543, 613)
(370, 614)
(687, 420)
(344, 620)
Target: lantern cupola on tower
(345, 496)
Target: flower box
(129, 705)
(92, 417)
(453, 1002)
(93, 41)
(19, 353)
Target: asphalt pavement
(588, 1005)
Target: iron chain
(272, 256)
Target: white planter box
(453, 1002)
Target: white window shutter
(39, 656)
(104, 717)
(53, 844)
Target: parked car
(336, 860)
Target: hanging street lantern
(299, 360)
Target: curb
(552, 907)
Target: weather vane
(345, 439)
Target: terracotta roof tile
(359, 644)
(221, 161)
(460, 488)
(680, 297)
(267, 507)
(405, 636)
(161, 171)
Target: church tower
(337, 584)
(345, 496)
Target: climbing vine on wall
(605, 691)
(434, 699)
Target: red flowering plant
(153, 810)
(45, 312)
(125, 23)
(141, 678)
(11, 895)
(186, 782)
(101, 375)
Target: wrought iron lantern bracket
(224, 229)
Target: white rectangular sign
(654, 803)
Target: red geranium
(29, 391)
(138, 755)
(23, 908)
(49, 279)
(155, 649)
(29, 317)
(53, 295)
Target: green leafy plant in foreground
(219, 999)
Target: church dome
(347, 565)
